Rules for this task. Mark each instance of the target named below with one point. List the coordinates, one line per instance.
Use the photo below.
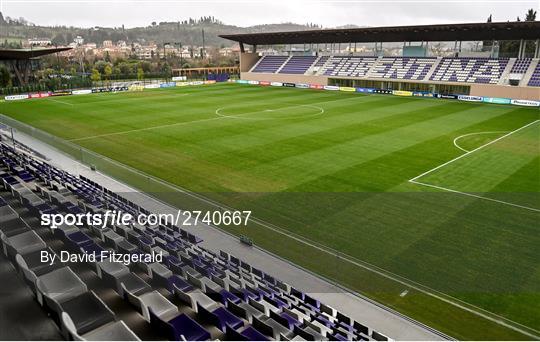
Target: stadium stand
(535, 77)
(461, 70)
(297, 65)
(470, 70)
(402, 68)
(222, 297)
(520, 66)
(270, 64)
(348, 66)
(321, 61)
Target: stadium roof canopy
(529, 30)
(14, 54)
(20, 60)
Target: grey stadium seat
(59, 286)
(86, 317)
(23, 243)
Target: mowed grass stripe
(170, 137)
(186, 111)
(330, 128)
(227, 172)
(328, 135)
(366, 148)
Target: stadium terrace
(322, 61)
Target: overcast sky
(329, 13)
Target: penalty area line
(63, 102)
(415, 179)
(474, 150)
(476, 196)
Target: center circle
(277, 112)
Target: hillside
(187, 32)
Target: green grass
(334, 168)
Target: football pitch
(431, 207)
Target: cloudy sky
(329, 13)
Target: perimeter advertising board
(16, 97)
(527, 103)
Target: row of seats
(220, 295)
(407, 68)
(470, 70)
(270, 64)
(535, 77)
(297, 65)
(81, 314)
(348, 66)
(463, 70)
(521, 66)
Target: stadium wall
(513, 92)
(486, 90)
(309, 79)
(248, 60)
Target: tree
(167, 71)
(531, 15)
(107, 71)
(5, 78)
(140, 73)
(96, 76)
(489, 19)
(2, 21)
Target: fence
(87, 83)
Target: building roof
(11, 54)
(529, 30)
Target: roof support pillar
(537, 49)
(242, 49)
(254, 48)
(521, 48)
(22, 70)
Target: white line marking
(63, 102)
(239, 116)
(469, 134)
(168, 125)
(414, 180)
(475, 196)
(472, 151)
(143, 129)
(186, 122)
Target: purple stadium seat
(180, 327)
